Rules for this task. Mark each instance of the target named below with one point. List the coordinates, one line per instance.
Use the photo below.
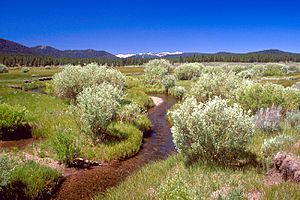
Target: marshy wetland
(156, 131)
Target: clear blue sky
(153, 25)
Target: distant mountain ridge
(9, 47)
(272, 51)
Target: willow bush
(188, 71)
(3, 68)
(156, 69)
(73, 79)
(209, 85)
(254, 96)
(214, 131)
(96, 107)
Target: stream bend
(85, 184)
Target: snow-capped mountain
(149, 55)
(125, 55)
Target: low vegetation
(27, 179)
(140, 98)
(224, 122)
(53, 120)
(73, 79)
(178, 92)
(25, 69)
(254, 96)
(211, 132)
(12, 118)
(171, 179)
(188, 71)
(155, 70)
(96, 107)
(227, 125)
(3, 69)
(168, 82)
(213, 84)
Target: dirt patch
(273, 178)
(254, 195)
(285, 167)
(222, 193)
(44, 161)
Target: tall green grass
(26, 179)
(49, 113)
(204, 179)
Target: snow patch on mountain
(125, 55)
(161, 54)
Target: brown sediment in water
(85, 184)
(157, 100)
(19, 144)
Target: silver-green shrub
(129, 113)
(293, 118)
(271, 70)
(25, 69)
(187, 71)
(73, 79)
(156, 69)
(293, 69)
(96, 107)
(168, 81)
(213, 131)
(265, 70)
(273, 145)
(6, 167)
(248, 73)
(178, 92)
(3, 68)
(254, 96)
(215, 84)
(47, 67)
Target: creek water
(19, 144)
(157, 145)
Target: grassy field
(131, 69)
(52, 122)
(284, 81)
(173, 179)
(51, 114)
(165, 179)
(16, 76)
(158, 177)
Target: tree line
(37, 61)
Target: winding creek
(85, 184)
